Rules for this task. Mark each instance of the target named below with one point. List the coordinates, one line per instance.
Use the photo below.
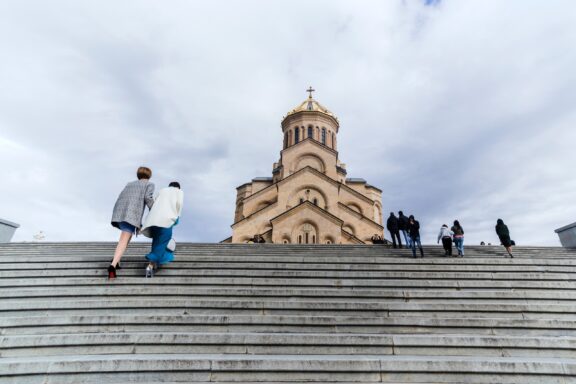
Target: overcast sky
(455, 109)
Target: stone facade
(308, 199)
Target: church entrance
(307, 234)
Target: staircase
(287, 313)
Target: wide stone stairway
(287, 313)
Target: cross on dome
(310, 90)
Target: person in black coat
(414, 232)
(393, 228)
(403, 227)
(504, 236)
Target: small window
(286, 140)
(328, 242)
(333, 139)
(313, 239)
(296, 135)
(284, 241)
(310, 132)
(324, 136)
(301, 200)
(299, 239)
(315, 201)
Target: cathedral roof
(311, 105)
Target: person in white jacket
(446, 236)
(164, 215)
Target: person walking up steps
(504, 236)
(458, 237)
(446, 236)
(128, 212)
(414, 232)
(403, 227)
(163, 216)
(392, 224)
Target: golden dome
(311, 105)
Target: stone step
(265, 368)
(183, 266)
(74, 323)
(285, 344)
(295, 274)
(406, 295)
(177, 281)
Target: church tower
(308, 199)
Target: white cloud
(460, 110)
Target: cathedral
(308, 199)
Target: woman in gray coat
(128, 212)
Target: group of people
(410, 229)
(164, 213)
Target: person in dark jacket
(504, 236)
(414, 232)
(403, 227)
(392, 224)
(458, 237)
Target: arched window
(299, 239)
(296, 135)
(328, 242)
(333, 140)
(310, 132)
(301, 200)
(315, 201)
(324, 136)
(313, 239)
(286, 140)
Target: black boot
(421, 253)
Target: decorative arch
(349, 228)
(315, 192)
(378, 213)
(355, 207)
(328, 239)
(309, 159)
(305, 232)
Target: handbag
(171, 245)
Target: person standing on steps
(403, 227)
(414, 232)
(458, 237)
(504, 236)
(446, 236)
(393, 228)
(163, 216)
(128, 212)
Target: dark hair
(411, 217)
(144, 173)
(174, 184)
(400, 212)
(500, 221)
(456, 223)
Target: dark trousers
(395, 235)
(447, 243)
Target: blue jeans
(414, 241)
(406, 238)
(459, 244)
(160, 238)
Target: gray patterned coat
(130, 204)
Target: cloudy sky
(455, 109)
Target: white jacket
(444, 232)
(165, 211)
